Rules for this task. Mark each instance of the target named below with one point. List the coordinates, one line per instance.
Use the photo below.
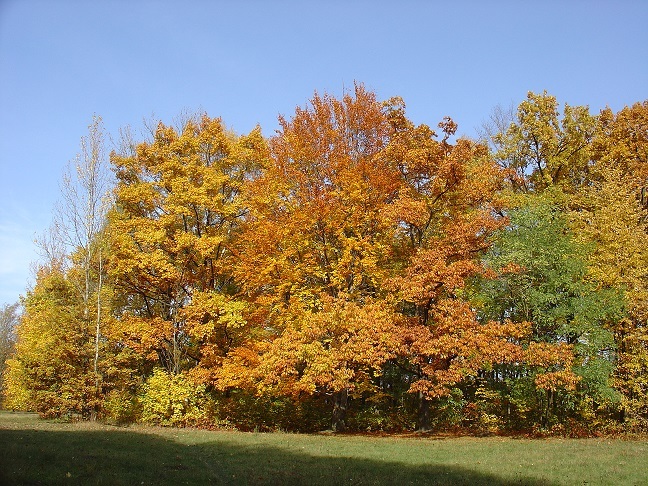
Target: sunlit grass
(42, 452)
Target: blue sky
(248, 61)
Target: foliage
(9, 317)
(177, 210)
(543, 272)
(121, 407)
(49, 371)
(544, 148)
(314, 251)
(610, 217)
(173, 400)
(354, 271)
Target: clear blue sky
(248, 61)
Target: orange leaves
(311, 263)
(316, 214)
(455, 346)
(332, 348)
(547, 355)
(363, 233)
(554, 380)
(622, 141)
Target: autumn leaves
(304, 265)
(356, 260)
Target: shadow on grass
(124, 457)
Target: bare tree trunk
(78, 223)
(98, 332)
(423, 413)
(340, 404)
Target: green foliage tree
(542, 279)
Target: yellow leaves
(544, 148)
(177, 213)
(209, 310)
(548, 354)
(610, 216)
(554, 380)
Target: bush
(121, 407)
(173, 400)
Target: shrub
(121, 407)
(173, 400)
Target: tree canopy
(355, 271)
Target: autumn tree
(176, 213)
(360, 213)
(315, 251)
(622, 141)
(447, 210)
(9, 317)
(543, 147)
(610, 215)
(79, 221)
(50, 371)
(72, 262)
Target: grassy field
(42, 452)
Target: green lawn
(42, 452)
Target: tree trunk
(423, 414)
(96, 343)
(340, 402)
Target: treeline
(355, 271)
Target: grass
(44, 452)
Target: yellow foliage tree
(610, 215)
(51, 371)
(177, 211)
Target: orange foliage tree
(316, 250)
(363, 231)
(447, 210)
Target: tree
(622, 142)
(73, 261)
(50, 371)
(9, 317)
(543, 147)
(79, 222)
(315, 251)
(542, 279)
(176, 213)
(446, 213)
(610, 217)
(365, 229)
